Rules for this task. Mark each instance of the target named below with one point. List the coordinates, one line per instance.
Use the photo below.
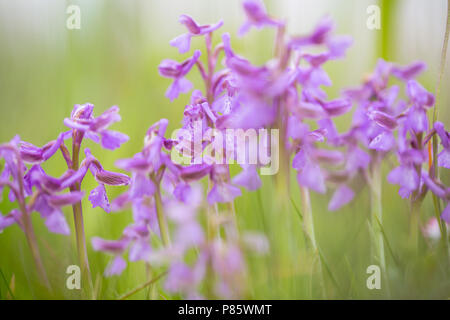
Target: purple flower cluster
(286, 93)
(45, 194)
(385, 123)
(35, 190)
(165, 199)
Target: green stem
(142, 286)
(79, 224)
(152, 293)
(388, 10)
(416, 201)
(32, 243)
(28, 225)
(377, 215)
(308, 227)
(163, 228)
(415, 224)
(435, 170)
(442, 65)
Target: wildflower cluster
(35, 190)
(184, 218)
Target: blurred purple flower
(177, 71)
(183, 42)
(256, 16)
(341, 197)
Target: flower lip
(319, 35)
(195, 171)
(112, 178)
(83, 111)
(256, 16)
(443, 134)
(255, 10)
(173, 69)
(190, 24)
(383, 120)
(419, 95)
(110, 246)
(408, 72)
(195, 29)
(436, 187)
(32, 154)
(337, 107)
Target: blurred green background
(112, 60)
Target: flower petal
(113, 139)
(98, 198)
(56, 222)
(115, 267)
(341, 197)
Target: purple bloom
(82, 120)
(141, 186)
(444, 155)
(33, 154)
(385, 141)
(330, 157)
(436, 187)
(418, 95)
(195, 172)
(7, 220)
(309, 173)
(341, 197)
(139, 237)
(446, 214)
(408, 72)
(183, 42)
(227, 261)
(337, 107)
(151, 161)
(248, 178)
(115, 247)
(56, 222)
(383, 120)
(178, 71)
(115, 267)
(405, 176)
(98, 198)
(135, 237)
(182, 278)
(222, 191)
(319, 36)
(256, 16)
(49, 206)
(338, 45)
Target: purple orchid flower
(32, 154)
(177, 71)
(96, 129)
(444, 155)
(222, 191)
(183, 42)
(256, 16)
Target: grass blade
(7, 285)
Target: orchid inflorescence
(166, 198)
